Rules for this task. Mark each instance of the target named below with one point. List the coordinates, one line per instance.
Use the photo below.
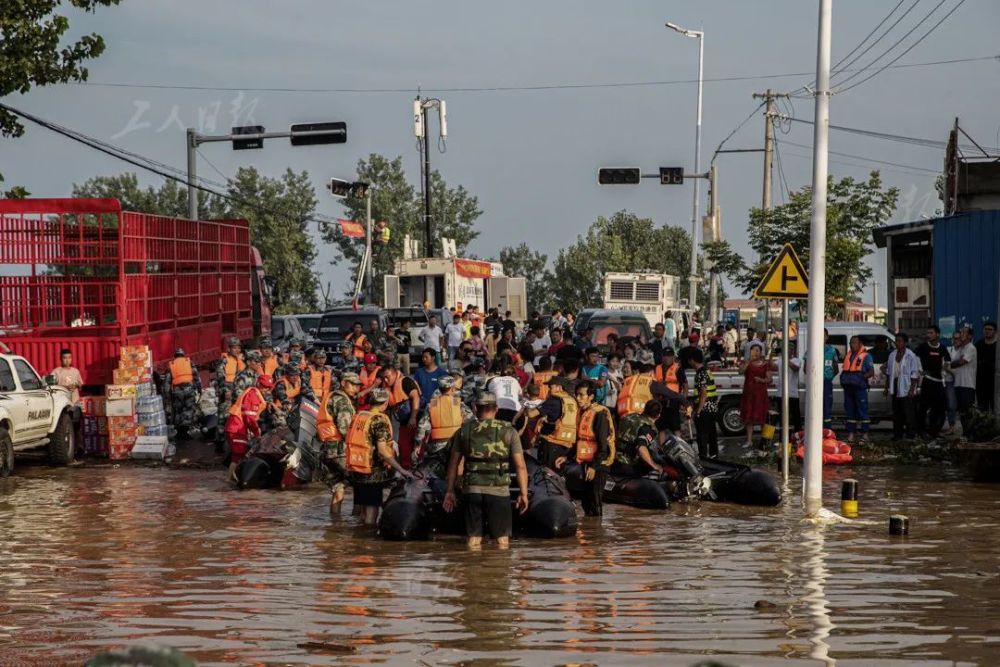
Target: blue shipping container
(966, 269)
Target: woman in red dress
(754, 402)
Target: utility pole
(714, 235)
(875, 301)
(812, 490)
(420, 108)
(765, 201)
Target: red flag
(470, 268)
(351, 228)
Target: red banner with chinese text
(470, 268)
(351, 228)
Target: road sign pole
(785, 375)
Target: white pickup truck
(33, 414)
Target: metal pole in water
(785, 379)
(812, 495)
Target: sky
(530, 156)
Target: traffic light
(247, 144)
(340, 188)
(671, 175)
(618, 176)
(312, 134)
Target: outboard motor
(684, 456)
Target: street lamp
(700, 35)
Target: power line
(908, 49)
(915, 141)
(868, 159)
(784, 190)
(840, 70)
(152, 166)
(485, 89)
(738, 128)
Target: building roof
(880, 233)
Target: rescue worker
(382, 232)
(247, 377)
(557, 427)
(183, 384)
(294, 346)
(357, 339)
(226, 370)
(288, 392)
(595, 447)
(706, 407)
(543, 373)
(857, 370)
(341, 410)
(636, 391)
(243, 420)
(270, 363)
(487, 446)
(318, 375)
(670, 373)
(637, 435)
(371, 456)
(404, 407)
(370, 378)
(444, 416)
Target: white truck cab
(33, 414)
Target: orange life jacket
(634, 395)
(237, 408)
(445, 413)
(359, 345)
(368, 379)
(395, 386)
(292, 391)
(542, 382)
(233, 366)
(565, 431)
(181, 371)
(270, 365)
(360, 449)
(670, 377)
(586, 438)
(320, 381)
(326, 425)
(854, 362)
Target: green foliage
(278, 210)
(521, 260)
(623, 242)
(854, 210)
(981, 426)
(31, 53)
(399, 204)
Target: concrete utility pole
(812, 490)
(715, 235)
(765, 201)
(875, 301)
(420, 108)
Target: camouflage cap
(446, 382)
(318, 353)
(233, 341)
(353, 378)
(253, 355)
(378, 395)
(295, 342)
(486, 399)
(290, 369)
(179, 352)
(265, 341)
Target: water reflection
(815, 571)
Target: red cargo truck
(83, 274)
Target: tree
(624, 242)
(854, 210)
(278, 210)
(396, 202)
(521, 260)
(31, 54)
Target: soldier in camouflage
(636, 437)
(437, 452)
(182, 384)
(487, 446)
(341, 408)
(226, 370)
(368, 486)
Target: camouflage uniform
(438, 452)
(628, 430)
(380, 431)
(225, 391)
(487, 446)
(183, 399)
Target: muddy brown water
(97, 558)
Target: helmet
(265, 382)
(446, 382)
(370, 358)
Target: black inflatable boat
(729, 483)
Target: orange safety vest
(326, 426)
(359, 345)
(445, 413)
(233, 366)
(542, 382)
(291, 391)
(181, 371)
(237, 408)
(360, 451)
(634, 395)
(368, 379)
(586, 438)
(320, 381)
(395, 387)
(854, 362)
(669, 378)
(565, 431)
(270, 366)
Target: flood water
(101, 557)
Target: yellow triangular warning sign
(785, 278)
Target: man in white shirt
(963, 367)
(432, 337)
(508, 393)
(454, 334)
(902, 381)
(68, 376)
(542, 342)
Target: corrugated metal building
(943, 271)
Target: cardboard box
(119, 391)
(93, 405)
(150, 447)
(120, 407)
(125, 376)
(120, 423)
(119, 452)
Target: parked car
(34, 414)
(627, 324)
(284, 329)
(337, 323)
(309, 323)
(877, 340)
